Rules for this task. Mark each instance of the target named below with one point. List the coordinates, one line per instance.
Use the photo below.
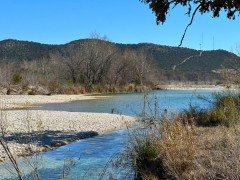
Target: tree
(231, 74)
(6, 71)
(68, 65)
(99, 54)
(141, 66)
(121, 71)
(162, 7)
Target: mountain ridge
(162, 56)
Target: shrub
(145, 156)
(113, 89)
(17, 78)
(196, 116)
(141, 88)
(131, 88)
(169, 153)
(180, 151)
(225, 111)
(82, 79)
(32, 92)
(54, 86)
(99, 89)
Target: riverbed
(91, 155)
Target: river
(87, 158)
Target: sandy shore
(23, 101)
(43, 130)
(31, 131)
(192, 87)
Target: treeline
(96, 65)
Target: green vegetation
(225, 111)
(162, 8)
(17, 78)
(197, 144)
(14, 50)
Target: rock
(42, 91)
(38, 90)
(3, 91)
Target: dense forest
(98, 65)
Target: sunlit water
(90, 156)
(132, 104)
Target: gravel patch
(23, 101)
(45, 130)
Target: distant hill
(166, 57)
(14, 50)
(163, 57)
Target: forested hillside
(164, 57)
(96, 62)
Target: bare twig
(10, 156)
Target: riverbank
(30, 131)
(26, 101)
(192, 87)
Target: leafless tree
(69, 66)
(141, 66)
(120, 72)
(6, 72)
(99, 55)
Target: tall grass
(197, 144)
(225, 110)
(188, 152)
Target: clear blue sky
(123, 21)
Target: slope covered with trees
(164, 57)
(98, 63)
(14, 50)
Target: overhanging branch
(190, 23)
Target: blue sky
(122, 21)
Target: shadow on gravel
(49, 138)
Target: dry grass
(57, 88)
(190, 152)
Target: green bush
(82, 79)
(177, 149)
(196, 116)
(146, 156)
(17, 78)
(225, 111)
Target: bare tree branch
(190, 23)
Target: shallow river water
(87, 159)
(132, 103)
